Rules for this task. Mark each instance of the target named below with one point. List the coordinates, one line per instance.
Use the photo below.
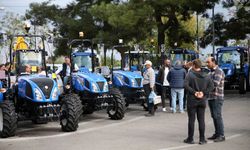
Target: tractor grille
(126, 80)
(138, 80)
(29, 90)
(45, 85)
(87, 84)
(101, 85)
(225, 71)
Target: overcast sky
(20, 6)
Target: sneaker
(164, 109)
(202, 142)
(188, 141)
(212, 137)
(182, 112)
(220, 139)
(171, 108)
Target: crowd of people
(194, 88)
(186, 82)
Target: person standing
(65, 71)
(176, 77)
(148, 85)
(198, 85)
(162, 78)
(216, 99)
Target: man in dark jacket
(65, 70)
(198, 85)
(162, 78)
(176, 78)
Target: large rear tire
(70, 112)
(8, 119)
(242, 85)
(116, 109)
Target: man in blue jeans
(176, 77)
(216, 99)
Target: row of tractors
(42, 97)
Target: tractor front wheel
(116, 109)
(8, 119)
(70, 112)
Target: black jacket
(198, 81)
(161, 74)
(64, 69)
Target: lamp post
(197, 30)
(213, 29)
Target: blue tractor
(128, 77)
(235, 62)
(31, 93)
(94, 91)
(182, 54)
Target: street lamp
(213, 29)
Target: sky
(20, 6)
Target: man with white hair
(148, 85)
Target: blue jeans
(65, 80)
(180, 93)
(215, 106)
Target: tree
(10, 24)
(237, 27)
(172, 9)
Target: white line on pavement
(194, 145)
(71, 133)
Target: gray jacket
(149, 77)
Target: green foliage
(237, 27)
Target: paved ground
(165, 131)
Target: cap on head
(148, 62)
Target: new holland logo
(46, 87)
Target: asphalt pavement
(164, 131)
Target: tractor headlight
(106, 86)
(229, 72)
(38, 94)
(94, 87)
(133, 82)
(55, 94)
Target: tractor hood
(127, 78)
(91, 82)
(38, 88)
(228, 69)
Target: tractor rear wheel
(70, 112)
(8, 119)
(242, 85)
(116, 109)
